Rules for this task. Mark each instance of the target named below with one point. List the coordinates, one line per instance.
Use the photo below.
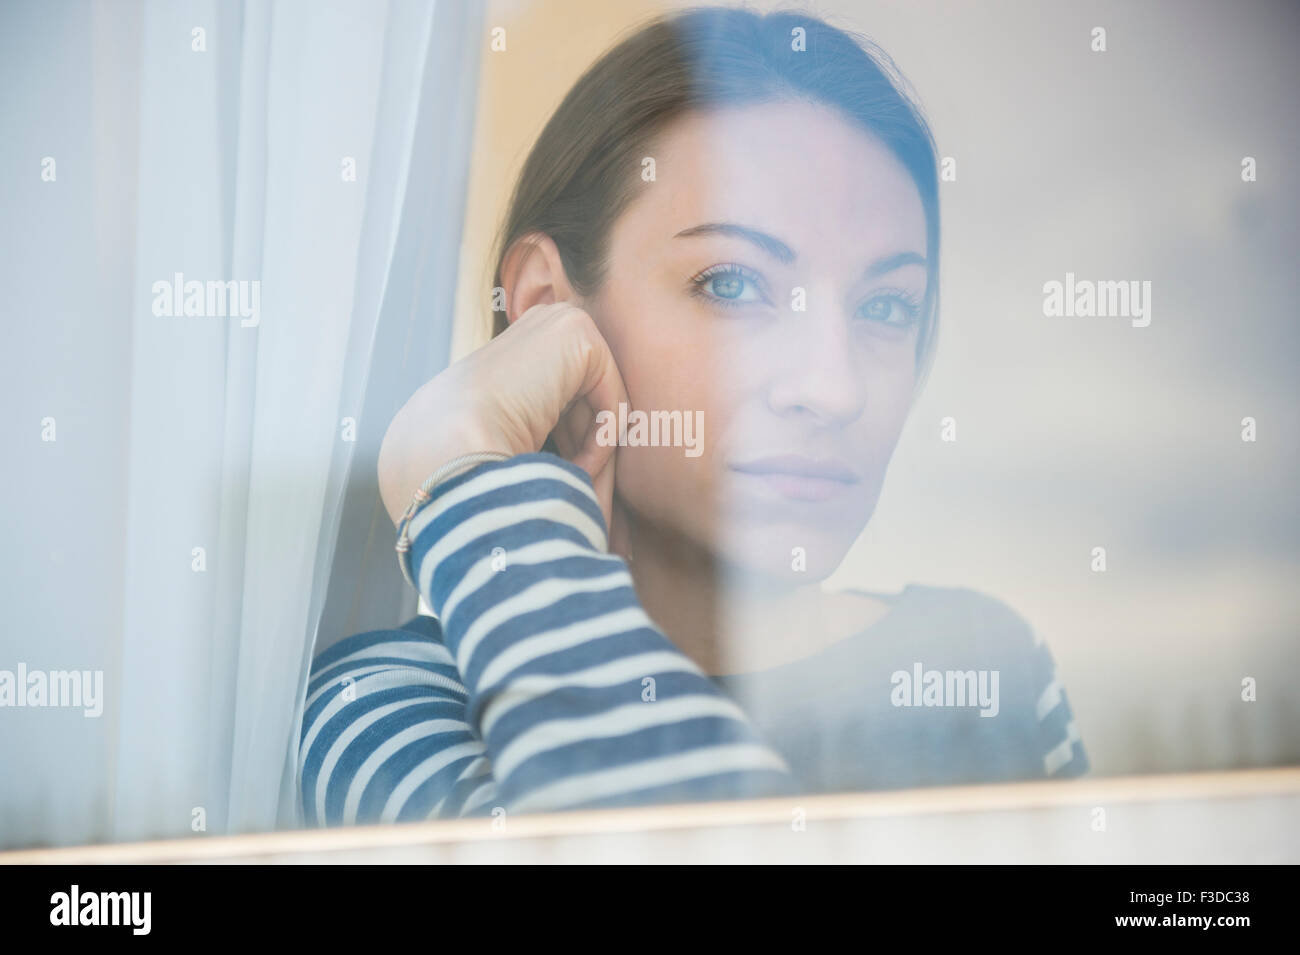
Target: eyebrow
(768, 243)
(779, 250)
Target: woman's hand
(550, 371)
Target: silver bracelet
(424, 494)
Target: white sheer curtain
(204, 503)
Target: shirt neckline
(893, 600)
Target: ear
(532, 273)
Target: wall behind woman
(1072, 433)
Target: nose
(815, 372)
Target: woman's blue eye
(727, 285)
(898, 309)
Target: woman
(716, 299)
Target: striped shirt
(541, 683)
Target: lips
(798, 477)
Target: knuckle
(579, 323)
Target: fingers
(571, 431)
(603, 391)
(588, 382)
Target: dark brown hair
(583, 170)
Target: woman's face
(769, 279)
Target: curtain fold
(402, 322)
(305, 164)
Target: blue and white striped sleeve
(574, 696)
(384, 736)
(1062, 746)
